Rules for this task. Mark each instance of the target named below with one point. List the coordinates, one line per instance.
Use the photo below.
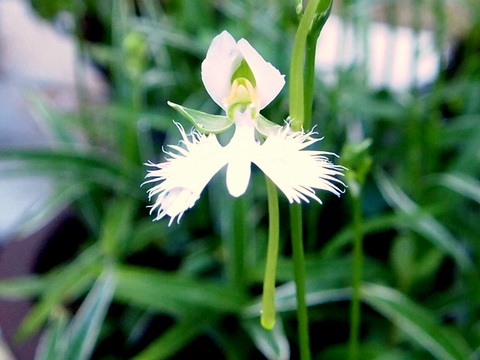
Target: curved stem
(268, 298)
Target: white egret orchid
(242, 83)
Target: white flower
(296, 172)
(242, 83)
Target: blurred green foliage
(171, 292)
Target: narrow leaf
(463, 184)
(423, 223)
(117, 226)
(418, 323)
(50, 343)
(178, 336)
(273, 344)
(22, 287)
(174, 293)
(83, 331)
(69, 282)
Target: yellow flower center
(242, 94)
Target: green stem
(268, 300)
(299, 274)
(309, 81)
(356, 279)
(302, 68)
(296, 87)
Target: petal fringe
(185, 173)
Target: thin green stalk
(355, 310)
(268, 299)
(302, 69)
(299, 275)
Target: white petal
(183, 176)
(297, 172)
(268, 79)
(223, 58)
(238, 175)
(241, 150)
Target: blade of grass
(83, 331)
(419, 324)
(174, 293)
(464, 185)
(423, 223)
(62, 284)
(178, 336)
(273, 344)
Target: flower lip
(225, 57)
(283, 157)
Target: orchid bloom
(242, 83)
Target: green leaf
(285, 298)
(83, 331)
(178, 336)
(61, 126)
(51, 341)
(62, 284)
(77, 341)
(117, 226)
(273, 344)
(422, 222)
(371, 225)
(463, 184)
(205, 123)
(89, 166)
(418, 323)
(23, 287)
(174, 293)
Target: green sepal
(265, 126)
(203, 122)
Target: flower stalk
(299, 276)
(302, 70)
(268, 316)
(359, 162)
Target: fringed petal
(295, 171)
(185, 173)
